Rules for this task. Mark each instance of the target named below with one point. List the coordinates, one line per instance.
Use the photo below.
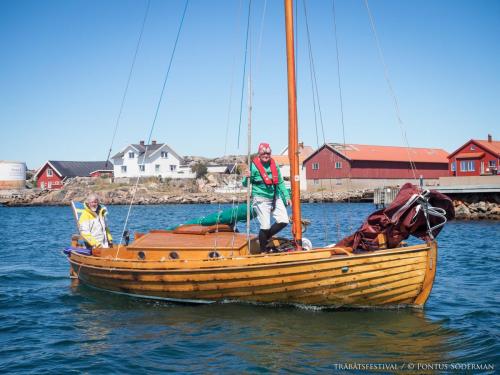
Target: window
(49, 172)
(467, 166)
(492, 164)
(173, 168)
(472, 147)
(157, 167)
(142, 168)
(453, 166)
(316, 182)
(338, 165)
(315, 166)
(131, 155)
(164, 154)
(124, 168)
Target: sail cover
(229, 216)
(406, 215)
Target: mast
(293, 149)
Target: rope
(155, 118)
(432, 211)
(128, 82)
(423, 204)
(244, 71)
(391, 89)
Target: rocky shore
(153, 191)
(145, 195)
(479, 210)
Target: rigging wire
(228, 120)
(391, 89)
(249, 151)
(249, 141)
(333, 156)
(128, 81)
(316, 109)
(341, 103)
(261, 33)
(244, 70)
(233, 68)
(155, 118)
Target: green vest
(260, 189)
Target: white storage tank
(12, 175)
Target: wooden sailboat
(205, 264)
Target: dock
(468, 189)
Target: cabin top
(169, 240)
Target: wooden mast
(293, 152)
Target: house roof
(304, 153)
(76, 168)
(387, 153)
(152, 148)
(470, 155)
(492, 147)
(284, 160)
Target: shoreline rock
(153, 192)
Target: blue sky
(64, 66)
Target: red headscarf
(264, 148)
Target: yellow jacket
(93, 227)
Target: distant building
(284, 163)
(368, 166)
(12, 175)
(222, 169)
(155, 159)
(475, 158)
(53, 173)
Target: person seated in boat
(269, 194)
(92, 224)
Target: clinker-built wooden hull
(320, 277)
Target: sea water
(47, 326)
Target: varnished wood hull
(402, 276)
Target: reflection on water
(279, 338)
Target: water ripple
(49, 327)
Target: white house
(156, 159)
(284, 164)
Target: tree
(200, 169)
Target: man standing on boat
(269, 194)
(92, 224)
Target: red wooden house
(53, 173)
(475, 158)
(372, 166)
